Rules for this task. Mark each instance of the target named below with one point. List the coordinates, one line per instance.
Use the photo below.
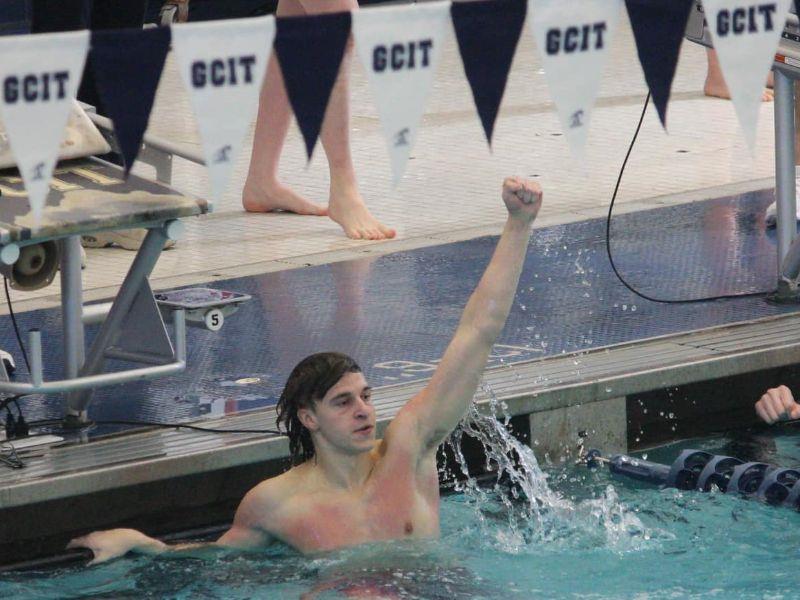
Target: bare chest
(328, 521)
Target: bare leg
(347, 206)
(715, 85)
(263, 192)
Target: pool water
(593, 536)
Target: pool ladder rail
(702, 471)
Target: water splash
(518, 511)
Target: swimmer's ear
(307, 419)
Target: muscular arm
(245, 534)
(431, 415)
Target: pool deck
(450, 194)
(451, 188)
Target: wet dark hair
(308, 383)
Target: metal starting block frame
(786, 69)
(133, 330)
(93, 196)
(205, 308)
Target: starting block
(87, 196)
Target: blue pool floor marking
(396, 313)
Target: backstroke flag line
(40, 75)
(400, 48)
(223, 66)
(658, 28)
(573, 39)
(127, 66)
(488, 32)
(746, 35)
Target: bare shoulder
(270, 496)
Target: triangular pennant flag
(745, 37)
(40, 75)
(310, 51)
(573, 39)
(488, 32)
(127, 66)
(223, 65)
(658, 28)
(400, 47)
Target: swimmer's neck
(341, 471)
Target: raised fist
(523, 198)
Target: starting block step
(203, 305)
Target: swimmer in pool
(347, 487)
(777, 404)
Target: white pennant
(223, 64)
(573, 39)
(40, 76)
(400, 48)
(746, 34)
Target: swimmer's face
(345, 417)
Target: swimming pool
(595, 537)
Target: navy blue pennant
(658, 27)
(488, 32)
(127, 66)
(310, 51)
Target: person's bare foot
(348, 209)
(278, 197)
(716, 87)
